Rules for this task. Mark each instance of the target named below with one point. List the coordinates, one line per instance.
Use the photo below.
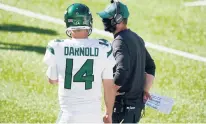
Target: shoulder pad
(51, 45)
(58, 40)
(55, 42)
(104, 42)
(109, 46)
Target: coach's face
(108, 26)
(109, 13)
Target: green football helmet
(76, 17)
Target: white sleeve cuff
(52, 73)
(49, 59)
(107, 73)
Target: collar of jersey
(74, 39)
(121, 32)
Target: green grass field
(25, 95)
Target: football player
(79, 66)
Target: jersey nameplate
(81, 51)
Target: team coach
(135, 69)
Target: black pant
(126, 113)
(127, 117)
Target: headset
(118, 18)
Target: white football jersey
(79, 65)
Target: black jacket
(133, 60)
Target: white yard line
(196, 3)
(100, 32)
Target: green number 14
(85, 74)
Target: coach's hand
(107, 119)
(146, 96)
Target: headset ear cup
(118, 18)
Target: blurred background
(25, 95)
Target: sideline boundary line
(196, 3)
(100, 32)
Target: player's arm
(49, 59)
(110, 88)
(52, 74)
(53, 81)
(109, 95)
